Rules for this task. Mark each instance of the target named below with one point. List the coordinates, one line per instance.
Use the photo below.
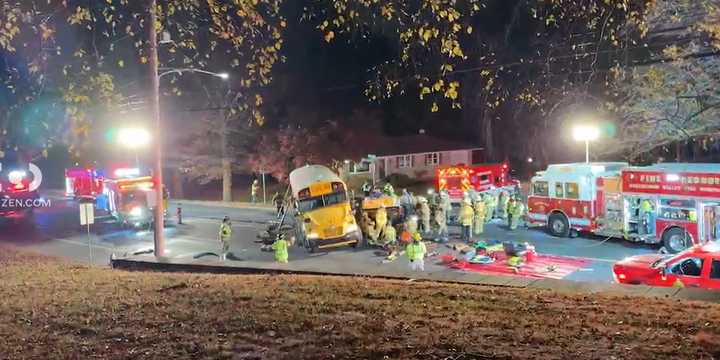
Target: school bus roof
(301, 178)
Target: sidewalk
(150, 263)
(230, 204)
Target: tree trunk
(227, 179)
(226, 162)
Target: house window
(404, 161)
(432, 159)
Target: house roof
(415, 144)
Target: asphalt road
(56, 231)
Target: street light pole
(586, 133)
(159, 236)
(587, 151)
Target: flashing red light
(504, 166)
(19, 186)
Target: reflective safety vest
(466, 215)
(645, 206)
(416, 250)
(281, 250)
(225, 231)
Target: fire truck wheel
(676, 240)
(558, 225)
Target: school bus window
(571, 191)
(540, 188)
(559, 190)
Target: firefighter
(466, 219)
(445, 205)
(280, 246)
(381, 220)
(479, 218)
(224, 236)
(388, 189)
(441, 222)
(424, 214)
(407, 203)
(503, 200)
(515, 212)
(411, 224)
(490, 203)
(254, 188)
(415, 252)
(647, 216)
(389, 236)
(278, 201)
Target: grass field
(50, 309)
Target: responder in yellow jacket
(224, 236)
(479, 218)
(381, 220)
(502, 205)
(281, 249)
(516, 209)
(466, 220)
(415, 252)
(490, 204)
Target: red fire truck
(127, 197)
(459, 179)
(682, 202)
(83, 183)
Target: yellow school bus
(323, 216)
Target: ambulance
(676, 205)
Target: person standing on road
(441, 221)
(416, 253)
(381, 220)
(424, 214)
(502, 205)
(445, 205)
(490, 204)
(516, 209)
(466, 220)
(254, 188)
(647, 217)
(280, 246)
(278, 201)
(406, 203)
(224, 236)
(479, 219)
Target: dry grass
(53, 310)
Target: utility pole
(159, 238)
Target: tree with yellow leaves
(88, 50)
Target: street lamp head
(134, 137)
(223, 76)
(586, 133)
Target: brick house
(416, 156)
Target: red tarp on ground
(543, 266)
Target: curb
(149, 263)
